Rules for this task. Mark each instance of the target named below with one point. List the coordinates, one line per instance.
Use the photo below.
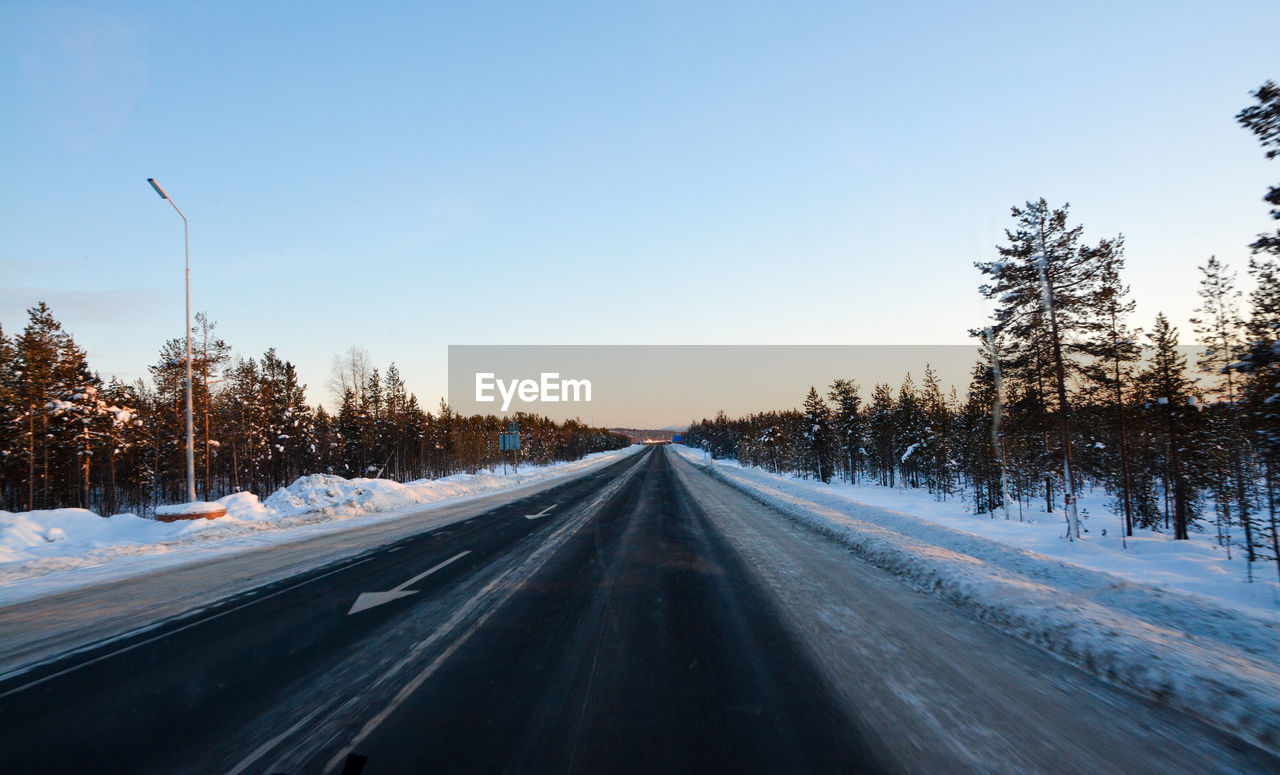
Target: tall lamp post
(186, 243)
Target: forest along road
(646, 617)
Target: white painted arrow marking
(542, 513)
(371, 599)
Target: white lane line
(542, 513)
(433, 569)
(368, 600)
(166, 634)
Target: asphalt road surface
(645, 617)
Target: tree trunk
(1179, 491)
(44, 451)
(1044, 435)
(1237, 459)
(31, 458)
(84, 494)
(1271, 507)
(1064, 424)
(111, 474)
(1166, 486)
(1124, 455)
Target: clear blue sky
(408, 177)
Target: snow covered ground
(1174, 620)
(1198, 566)
(42, 552)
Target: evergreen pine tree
(1220, 330)
(210, 354)
(938, 443)
(1168, 384)
(1260, 369)
(46, 369)
(1045, 286)
(846, 425)
(881, 432)
(1263, 119)
(350, 431)
(817, 434)
(10, 425)
(1115, 350)
(979, 440)
(908, 432)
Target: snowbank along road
(643, 617)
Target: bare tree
(350, 371)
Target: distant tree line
(1066, 394)
(67, 438)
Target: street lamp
(191, 450)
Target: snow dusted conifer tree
(881, 433)
(846, 424)
(10, 426)
(1045, 288)
(122, 438)
(1115, 349)
(440, 438)
(168, 374)
(817, 434)
(1260, 369)
(979, 439)
(937, 449)
(1261, 364)
(47, 367)
(287, 420)
(79, 409)
(374, 429)
(248, 424)
(210, 354)
(350, 432)
(1166, 381)
(324, 442)
(413, 436)
(395, 419)
(909, 432)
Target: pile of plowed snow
(36, 543)
(29, 535)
